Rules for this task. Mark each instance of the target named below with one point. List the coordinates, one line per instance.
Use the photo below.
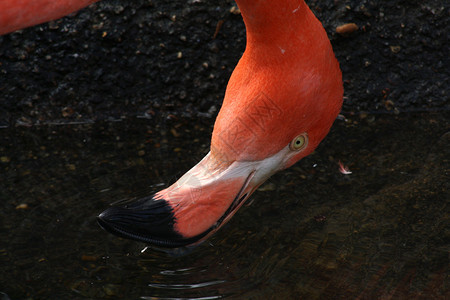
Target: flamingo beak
(190, 210)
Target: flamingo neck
(18, 14)
(287, 82)
(267, 22)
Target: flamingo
(280, 102)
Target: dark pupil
(297, 142)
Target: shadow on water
(310, 232)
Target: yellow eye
(299, 142)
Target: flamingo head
(280, 102)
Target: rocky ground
(153, 59)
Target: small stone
(67, 112)
(235, 10)
(141, 152)
(53, 25)
(88, 258)
(174, 132)
(347, 29)
(118, 9)
(395, 49)
(363, 115)
(389, 104)
(5, 159)
(22, 206)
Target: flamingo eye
(299, 142)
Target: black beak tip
(146, 220)
(102, 221)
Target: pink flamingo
(280, 102)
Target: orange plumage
(280, 102)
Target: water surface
(309, 233)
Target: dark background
(120, 59)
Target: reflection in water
(310, 232)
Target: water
(309, 233)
